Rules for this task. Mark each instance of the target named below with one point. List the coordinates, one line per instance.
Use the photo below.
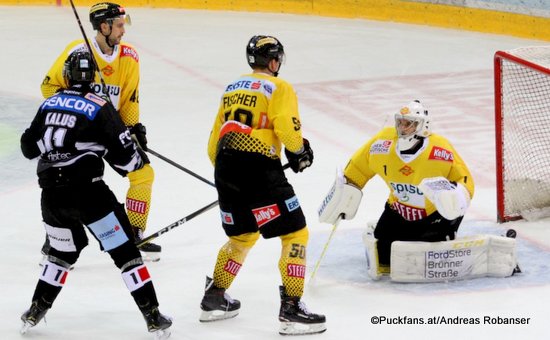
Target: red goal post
(522, 131)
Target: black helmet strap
(106, 36)
(275, 72)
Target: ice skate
(157, 323)
(296, 319)
(149, 251)
(33, 315)
(217, 304)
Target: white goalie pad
(450, 200)
(342, 199)
(463, 258)
(371, 252)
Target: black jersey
(72, 132)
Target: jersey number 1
(53, 137)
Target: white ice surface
(350, 75)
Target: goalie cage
(522, 127)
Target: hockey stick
(103, 84)
(183, 220)
(177, 223)
(197, 176)
(334, 226)
(171, 162)
(105, 92)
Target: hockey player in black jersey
(73, 131)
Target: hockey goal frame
(502, 215)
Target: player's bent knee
(145, 175)
(301, 236)
(246, 240)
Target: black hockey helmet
(107, 12)
(79, 68)
(261, 49)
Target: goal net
(522, 129)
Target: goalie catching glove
(451, 200)
(342, 200)
(302, 159)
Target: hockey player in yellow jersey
(258, 114)
(118, 63)
(429, 184)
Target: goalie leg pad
(463, 258)
(374, 269)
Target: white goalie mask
(412, 122)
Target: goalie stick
(334, 226)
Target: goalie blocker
(463, 258)
(342, 201)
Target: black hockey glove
(299, 161)
(143, 156)
(138, 133)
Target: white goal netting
(522, 112)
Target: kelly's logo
(266, 214)
(440, 154)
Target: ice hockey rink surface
(350, 76)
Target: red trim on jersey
(234, 126)
(263, 122)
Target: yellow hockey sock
(138, 197)
(292, 263)
(231, 257)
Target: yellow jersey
(403, 173)
(262, 112)
(120, 72)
